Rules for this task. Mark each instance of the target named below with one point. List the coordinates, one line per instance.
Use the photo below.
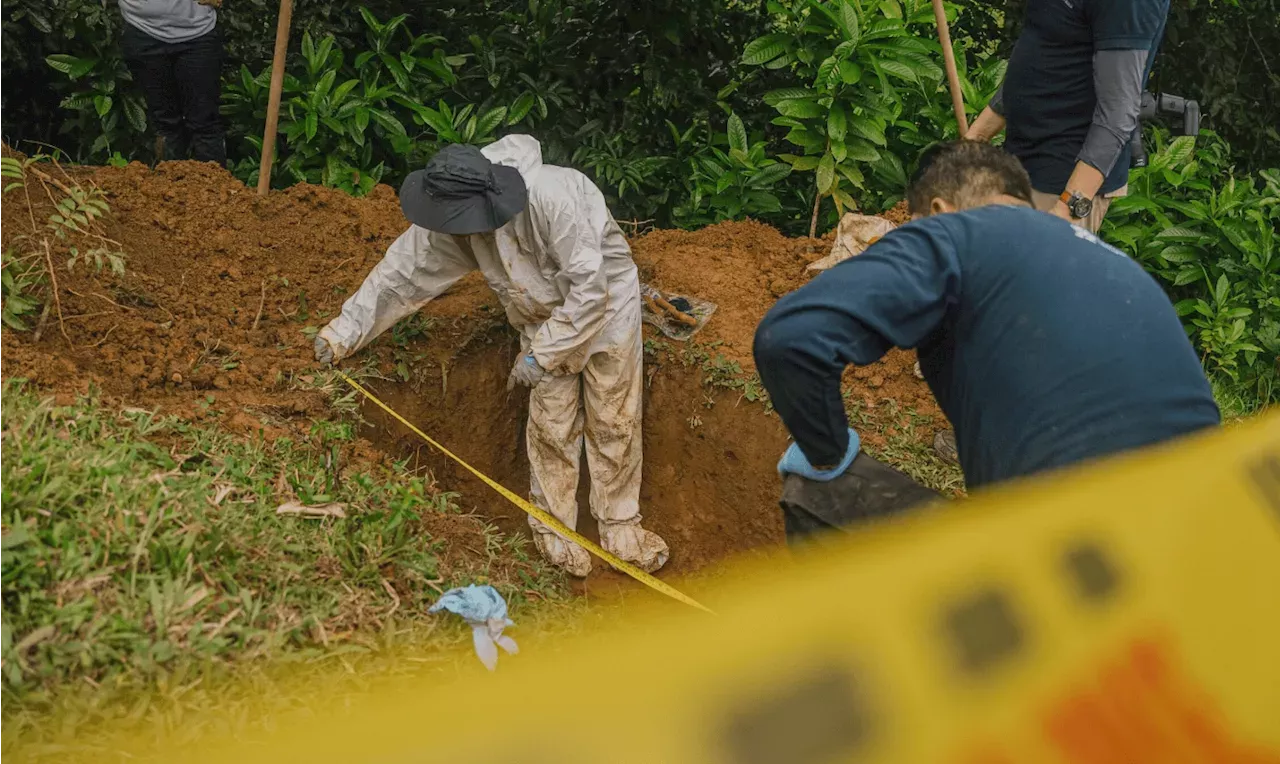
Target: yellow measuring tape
(542, 516)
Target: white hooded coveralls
(563, 271)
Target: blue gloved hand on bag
(794, 462)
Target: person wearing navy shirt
(1044, 346)
(1070, 99)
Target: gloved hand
(324, 351)
(794, 462)
(526, 372)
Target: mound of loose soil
(208, 320)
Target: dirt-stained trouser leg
(613, 392)
(554, 442)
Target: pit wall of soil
(709, 485)
(222, 290)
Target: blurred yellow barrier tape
(542, 516)
(1123, 612)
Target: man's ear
(938, 206)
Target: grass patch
(143, 554)
(900, 445)
(1238, 402)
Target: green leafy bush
(1210, 236)
(855, 63)
(729, 185)
(345, 123)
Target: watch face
(1080, 207)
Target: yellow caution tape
(542, 516)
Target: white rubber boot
(575, 560)
(644, 549)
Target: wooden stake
(949, 59)
(273, 101)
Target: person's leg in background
(1045, 202)
(198, 72)
(151, 64)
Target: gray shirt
(169, 20)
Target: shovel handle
(675, 313)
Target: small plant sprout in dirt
(63, 218)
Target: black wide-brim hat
(461, 192)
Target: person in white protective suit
(544, 239)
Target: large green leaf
(490, 121)
(804, 164)
(889, 168)
(843, 200)
(868, 128)
(1181, 253)
(899, 70)
(801, 108)
(826, 78)
(849, 23)
(1195, 210)
(1180, 150)
(850, 72)
(737, 133)
(787, 94)
(323, 86)
(767, 176)
(1189, 274)
(762, 50)
(340, 93)
(71, 66)
(520, 109)
(387, 121)
(775, 97)
(924, 68)
(836, 123)
(826, 174)
(852, 174)
(861, 150)
(1180, 233)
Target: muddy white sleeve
(418, 266)
(562, 342)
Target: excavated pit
(209, 322)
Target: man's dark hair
(964, 173)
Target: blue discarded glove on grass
(794, 462)
(486, 612)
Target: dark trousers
(868, 491)
(182, 84)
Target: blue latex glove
(793, 462)
(486, 612)
(527, 372)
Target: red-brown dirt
(208, 321)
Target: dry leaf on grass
(298, 509)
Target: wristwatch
(1077, 203)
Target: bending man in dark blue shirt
(1043, 346)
